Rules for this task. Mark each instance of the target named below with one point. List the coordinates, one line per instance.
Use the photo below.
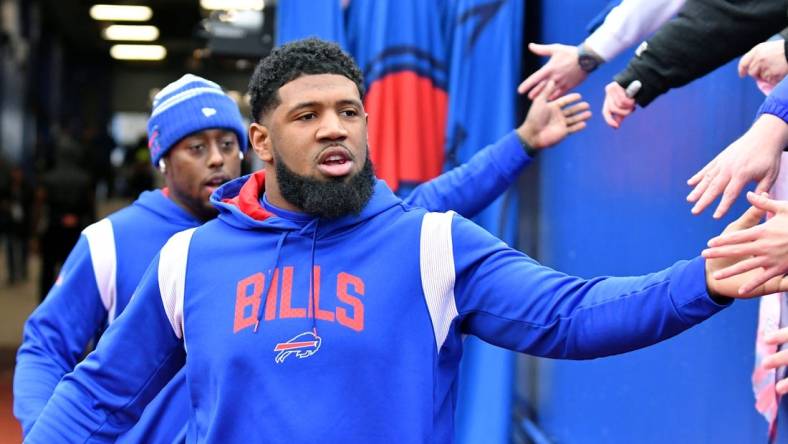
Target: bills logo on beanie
(153, 141)
(189, 105)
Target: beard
(332, 198)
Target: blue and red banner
(400, 49)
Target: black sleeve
(705, 35)
(784, 35)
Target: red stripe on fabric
(292, 345)
(407, 127)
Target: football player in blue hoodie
(320, 306)
(197, 140)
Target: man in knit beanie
(190, 118)
(197, 140)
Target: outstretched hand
(617, 105)
(779, 359)
(753, 157)
(765, 63)
(722, 283)
(550, 121)
(765, 246)
(562, 68)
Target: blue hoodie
(776, 102)
(110, 258)
(94, 285)
(372, 354)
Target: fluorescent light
(138, 52)
(121, 13)
(131, 33)
(229, 5)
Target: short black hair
(293, 60)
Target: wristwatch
(588, 59)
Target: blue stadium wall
(612, 202)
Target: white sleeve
(436, 260)
(172, 277)
(629, 23)
(101, 241)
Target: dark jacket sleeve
(705, 35)
(784, 35)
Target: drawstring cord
(312, 280)
(268, 280)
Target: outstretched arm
(626, 24)
(764, 246)
(629, 23)
(506, 298)
(474, 185)
(705, 35)
(105, 395)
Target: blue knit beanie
(189, 105)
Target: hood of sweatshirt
(238, 202)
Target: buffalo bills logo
(303, 346)
(153, 142)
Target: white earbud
(241, 155)
(162, 166)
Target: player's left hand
(550, 121)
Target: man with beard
(197, 139)
(320, 306)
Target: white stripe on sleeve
(437, 272)
(101, 242)
(172, 277)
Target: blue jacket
(94, 286)
(110, 258)
(777, 101)
(372, 354)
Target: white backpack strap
(101, 242)
(437, 272)
(172, 277)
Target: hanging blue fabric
(485, 38)
(297, 19)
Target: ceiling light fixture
(132, 33)
(121, 13)
(138, 52)
(230, 5)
